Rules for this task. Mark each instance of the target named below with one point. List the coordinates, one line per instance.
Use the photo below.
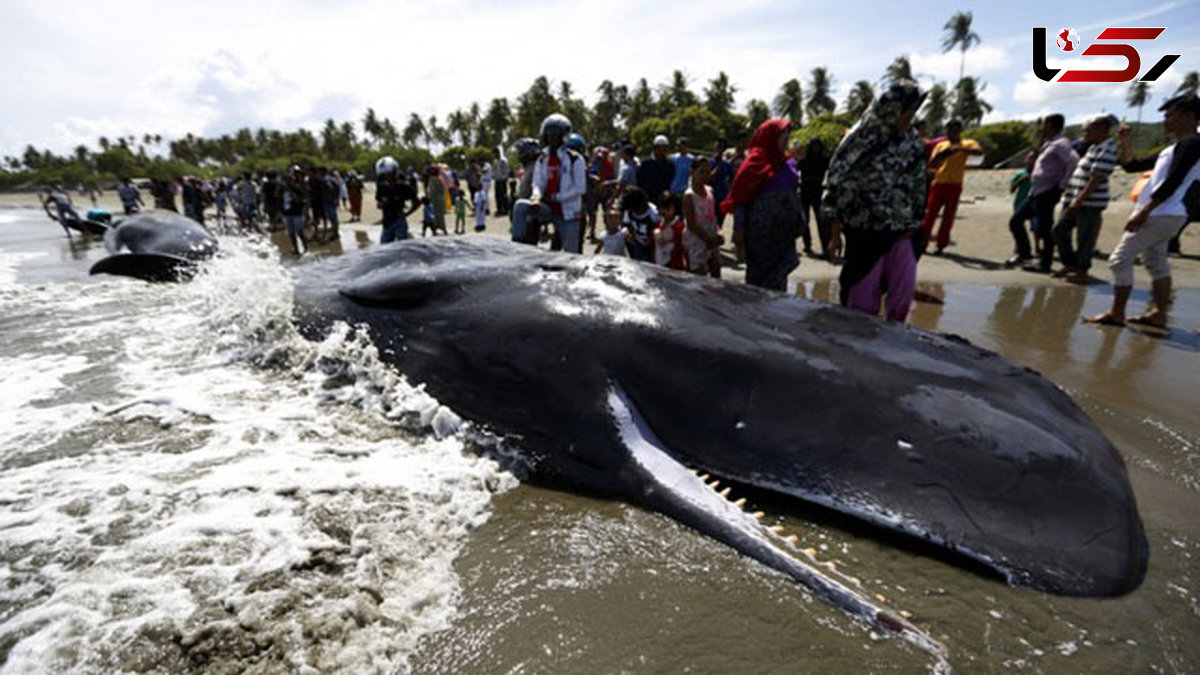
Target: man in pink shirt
(1053, 168)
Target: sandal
(1105, 319)
(1148, 321)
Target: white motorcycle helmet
(387, 165)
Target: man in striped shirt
(1084, 200)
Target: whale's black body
(611, 374)
(156, 246)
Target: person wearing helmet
(527, 216)
(392, 192)
(560, 180)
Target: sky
(77, 70)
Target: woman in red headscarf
(766, 208)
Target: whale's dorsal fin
(674, 490)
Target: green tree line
(637, 114)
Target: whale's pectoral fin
(672, 489)
(147, 266)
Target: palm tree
(414, 130)
(458, 124)
(968, 106)
(371, 126)
(757, 112)
(641, 105)
(719, 96)
(936, 108)
(899, 69)
(1139, 93)
(678, 93)
(612, 104)
(860, 98)
(1190, 84)
(959, 34)
(789, 102)
(819, 100)
(497, 121)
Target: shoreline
(980, 240)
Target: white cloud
(980, 61)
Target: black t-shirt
(292, 199)
(392, 197)
(654, 176)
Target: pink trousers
(899, 268)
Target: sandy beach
(981, 240)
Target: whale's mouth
(700, 501)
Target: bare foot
(1106, 319)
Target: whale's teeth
(725, 493)
(831, 566)
(880, 598)
(775, 529)
(740, 503)
(906, 614)
(810, 552)
(759, 515)
(792, 539)
(704, 478)
(714, 484)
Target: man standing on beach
(501, 175)
(683, 167)
(1085, 200)
(1160, 214)
(131, 199)
(1053, 167)
(655, 173)
(948, 163)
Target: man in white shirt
(560, 180)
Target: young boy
(427, 218)
(640, 217)
(460, 213)
(612, 242)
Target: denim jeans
(569, 231)
(331, 216)
(1086, 222)
(294, 225)
(522, 232)
(394, 231)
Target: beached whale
(618, 377)
(156, 246)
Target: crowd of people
(874, 200)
